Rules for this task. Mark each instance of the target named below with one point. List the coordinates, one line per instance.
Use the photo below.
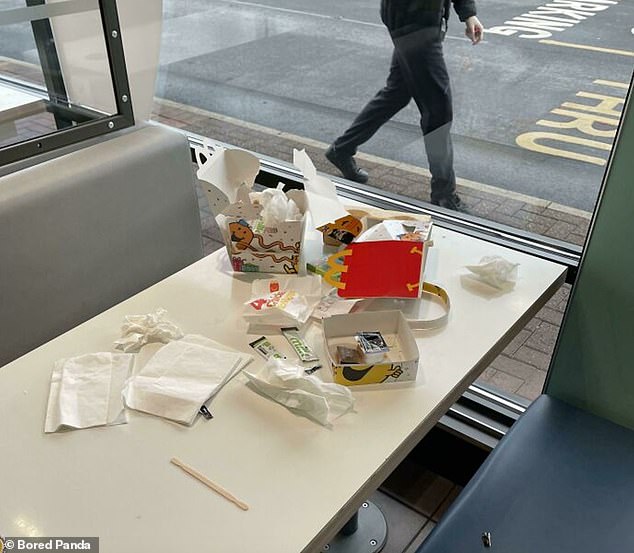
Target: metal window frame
(121, 89)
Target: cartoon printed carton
(254, 247)
(229, 175)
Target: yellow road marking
(587, 47)
(615, 84)
(529, 141)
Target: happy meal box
(262, 230)
(255, 247)
(386, 261)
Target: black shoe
(452, 202)
(347, 165)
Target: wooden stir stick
(215, 487)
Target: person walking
(418, 71)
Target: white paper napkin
(86, 391)
(495, 271)
(182, 376)
(138, 330)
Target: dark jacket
(405, 16)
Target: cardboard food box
(387, 260)
(400, 363)
(254, 247)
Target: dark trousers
(417, 71)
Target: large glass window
(536, 104)
(536, 108)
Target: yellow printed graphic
(416, 250)
(352, 375)
(335, 268)
(437, 290)
(411, 287)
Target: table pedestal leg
(365, 532)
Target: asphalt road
(308, 67)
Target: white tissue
(288, 384)
(86, 391)
(138, 330)
(182, 376)
(277, 207)
(495, 271)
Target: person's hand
(474, 29)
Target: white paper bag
(182, 376)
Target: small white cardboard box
(400, 363)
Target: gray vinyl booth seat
(86, 230)
(561, 481)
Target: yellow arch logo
(335, 268)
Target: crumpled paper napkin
(495, 271)
(138, 330)
(288, 384)
(277, 207)
(182, 376)
(86, 391)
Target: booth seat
(560, 481)
(88, 229)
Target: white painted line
(301, 12)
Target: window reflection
(536, 107)
(54, 70)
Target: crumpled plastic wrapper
(138, 330)
(495, 271)
(288, 384)
(277, 207)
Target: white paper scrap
(321, 193)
